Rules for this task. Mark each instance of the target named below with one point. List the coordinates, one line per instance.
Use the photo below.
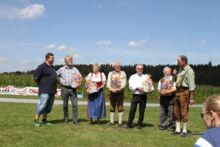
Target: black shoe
(76, 123)
(66, 121)
(120, 125)
(175, 133)
(98, 122)
(184, 134)
(139, 126)
(128, 126)
(91, 122)
(109, 124)
(171, 128)
(162, 128)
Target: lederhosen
(181, 102)
(116, 99)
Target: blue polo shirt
(46, 78)
(211, 138)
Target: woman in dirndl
(96, 100)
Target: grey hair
(116, 63)
(67, 56)
(166, 67)
(139, 65)
(97, 65)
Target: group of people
(176, 89)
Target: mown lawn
(16, 129)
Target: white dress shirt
(136, 81)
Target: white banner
(11, 90)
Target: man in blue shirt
(45, 77)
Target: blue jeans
(45, 104)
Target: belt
(182, 88)
(67, 87)
(139, 94)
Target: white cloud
(50, 46)
(104, 42)
(134, 43)
(77, 58)
(65, 48)
(28, 12)
(59, 47)
(2, 60)
(202, 42)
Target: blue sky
(132, 31)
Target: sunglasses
(202, 114)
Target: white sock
(120, 116)
(112, 117)
(177, 126)
(185, 127)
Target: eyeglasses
(140, 68)
(202, 114)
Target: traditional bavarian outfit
(116, 80)
(96, 101)
(166, 102)
(185, 86)
(136, 81)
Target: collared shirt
(66, 75)
(121, 77)
(46, 78)
(186, 78)
(136, 81)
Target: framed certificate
(147, 85)
(166, 84)
(90, 87)
(76, 80)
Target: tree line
(206, 74)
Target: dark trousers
(166, 111)
(66, 94)
(141, 100)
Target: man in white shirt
(139, 96)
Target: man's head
(139, 69)
(117, 66)
(49, 57)
(68, 60)
(182, 61)
(167, 71)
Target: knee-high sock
(177, 126)
(185, 124)
(112, 117)
(120, 116)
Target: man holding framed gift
(166, 89)
(70, 80)
(140, 85)
(116, 83)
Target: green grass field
(16, 125)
